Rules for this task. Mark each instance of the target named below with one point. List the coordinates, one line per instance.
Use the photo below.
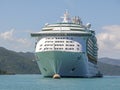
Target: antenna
(77, 20)
(66, 17)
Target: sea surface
(38, 82)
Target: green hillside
(17, 62)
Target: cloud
(10, 40)
(109, 41)
(7, 35)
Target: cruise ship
(67, 49)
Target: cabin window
(59, 41)
(69, 41)
(40, 44)
(73, 69)
(58, 48)
(69, 44)
(48, 45)
(78, 45)
(48, 41)
(59, 44)
(69, 48)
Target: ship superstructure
(68, 49)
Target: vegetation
(22, 63)
(17, 62)
(3, 72)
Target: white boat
(67, 49)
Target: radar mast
(66, 18)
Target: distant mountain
(17, 62)
(22, 63)
(110, 61)
(108, 69)
(109, 66)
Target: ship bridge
(68, 27)
(67, 24)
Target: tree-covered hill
(17, 62)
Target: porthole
(73, 69)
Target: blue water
(37, 82)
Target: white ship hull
(66, 64)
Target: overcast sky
(20, 17)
